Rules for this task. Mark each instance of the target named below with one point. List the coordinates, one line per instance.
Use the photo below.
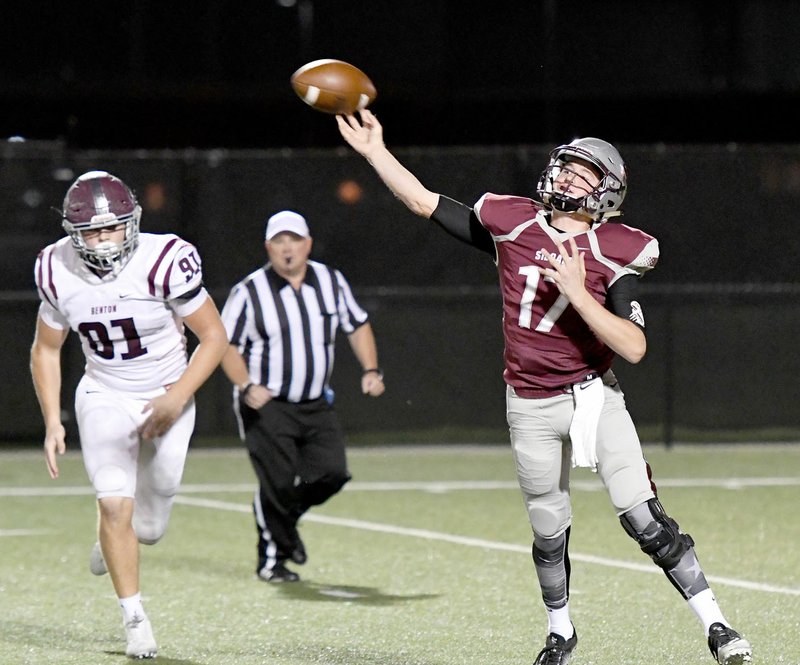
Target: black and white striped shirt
(287, 337)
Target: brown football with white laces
(333, 86)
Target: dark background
(155, 74)
(190, 103)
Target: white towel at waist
(588, 397)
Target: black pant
(298, 454)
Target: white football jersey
(130, 325)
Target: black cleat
(277, 574)
(557, 650)
(727, 646)
(298, 554)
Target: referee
(282, 321)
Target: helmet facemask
(98, 200)
(602, 200)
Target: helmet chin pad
(564, 203)
(107, 250)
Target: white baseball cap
(286, 220)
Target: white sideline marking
(24, 532)
(435, 487)
(581, 485)
(487, 544)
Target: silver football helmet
(606, 198)
(98, 200)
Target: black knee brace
(657, 533)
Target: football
(333, 86)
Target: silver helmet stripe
(100, 200)
(97, 200)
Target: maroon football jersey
(547, 344)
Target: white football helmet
(94, 201)
(606, 198)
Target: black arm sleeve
(623, 301)
(461, 222)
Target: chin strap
(564, 203)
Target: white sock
(132, 607)
(705, 607)
(559, 622)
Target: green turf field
(423, 560)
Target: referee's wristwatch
(245, 387)
(374, 370)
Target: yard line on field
(46, 491)
(433, 486)
(581, 485)
(82, 490)
(217, 488)
(487, 544)
(728, 483)
(23, 532)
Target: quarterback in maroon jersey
(568, 281)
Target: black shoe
(727, 646)
(278, 573)
(299, 555)
(557, 650)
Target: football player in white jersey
(128, 296)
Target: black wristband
(243, 391)
(377, 371)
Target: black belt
(591, 376)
